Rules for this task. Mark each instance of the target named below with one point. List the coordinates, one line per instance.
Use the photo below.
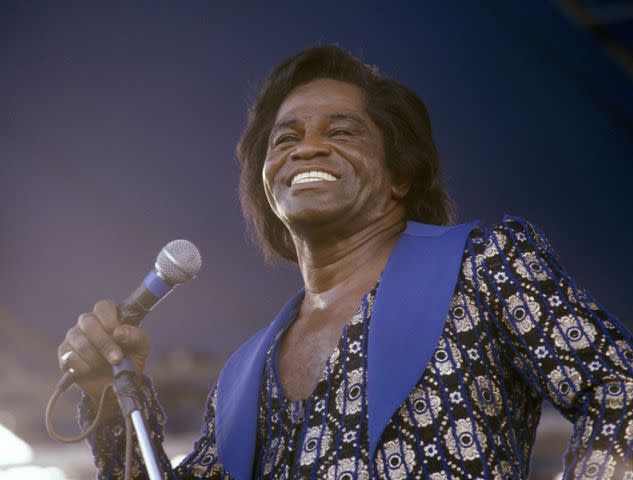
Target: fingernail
(114, 357)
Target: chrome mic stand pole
(126, 392)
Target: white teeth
(313, 176)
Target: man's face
(325, 161)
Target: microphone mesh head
(178, 262)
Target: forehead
(323, 96)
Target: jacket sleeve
(565, 346)
(108, 441)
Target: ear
(400, 191)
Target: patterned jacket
(440, 374)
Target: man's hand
(97, 342)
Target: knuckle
(107, 314)
(100, 342)
(71, 334)
(86, 321)
(125, 333)
(139, 337)
(134, 333)
(77, 339)
(105, 306)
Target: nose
(310, 147)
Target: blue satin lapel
(409, 313)
(238, 394)
(408, 318)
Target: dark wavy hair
(410, 151)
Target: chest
(305, 348)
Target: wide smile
(311, 177)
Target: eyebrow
(348, 116)
(335, 116)
(281, 125)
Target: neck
(348, 262)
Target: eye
(284, 139)
(340, 132)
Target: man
(415, 349)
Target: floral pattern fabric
(518, 331)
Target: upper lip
(311, 168)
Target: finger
(82, 347)
(62, 355)
(63, 360)
(132, 339)
(63, 348)
(99, 338)
(107, 313)
(76, 363)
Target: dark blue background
(118, 125)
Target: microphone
(176, 263)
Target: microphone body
(146, 296)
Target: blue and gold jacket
(471, 329)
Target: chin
(313, 217)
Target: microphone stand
(127, 396)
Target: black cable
(63, 385)
(49, 416)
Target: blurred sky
(118, 123)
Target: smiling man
(417, 348)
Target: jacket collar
(409, 313)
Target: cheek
(265, 176)
(372, 167)
(269, 169)
(268, 175)
(272, 164)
